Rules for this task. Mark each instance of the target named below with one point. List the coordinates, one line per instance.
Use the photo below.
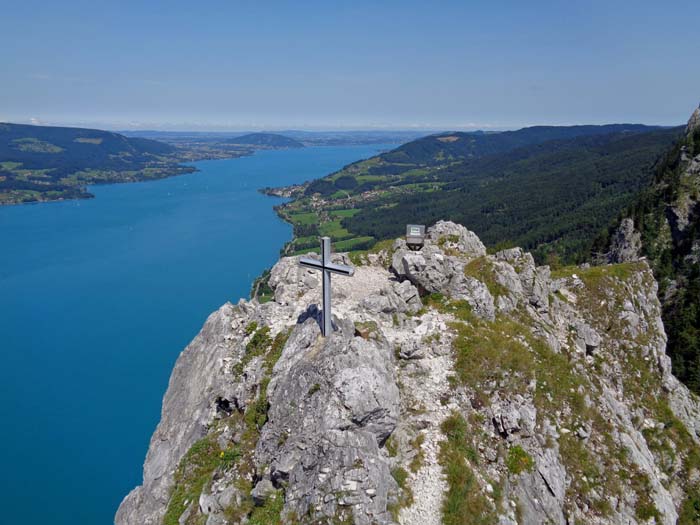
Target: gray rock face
(198, 379)
(513, 415)
(693, 122)
(333, 403)
(626, 243)
(535, 282)
(440, 266)
(457, 237)
(263, 490)
(587, 339)
(397, 298)
(330, 425)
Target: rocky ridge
(663, 225)
(458, 387)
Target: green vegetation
(548, 189)
(391, 446)
(669, 252)
(205, 458)
(314, 388)
(518, 460)
(194, 473)
(505, 355)
(400, 475)
(33, 145)
(493, 351)
(46, 163)
(552, 197)
(359, 257)
(366, 329)
(464, 503)
(270, 513)
(690, 511)
(419, 457)
(644, 509)
(356, 243)
(460, 309)
(261, 288)
(261, 344)
(673, 447)
(456, 429)
(482, 269)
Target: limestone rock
(412, 349)
(693, 122)
(626, 243)
(398, 298)
(198, 379)
(458, 237)
(338, 428)
(554, 381)
(262, 491)
(440, 266)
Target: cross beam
(327, 268)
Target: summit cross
(327, 268)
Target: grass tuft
(518, 460)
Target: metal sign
(415, 236)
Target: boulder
(456, 236)
(262, 491)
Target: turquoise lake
(97, 299)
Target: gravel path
(428, 484)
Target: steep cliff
(666, 216)
(458, 387)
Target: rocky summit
(458, 387)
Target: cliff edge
(458, 387)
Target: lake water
(97, 299)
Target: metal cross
(327, 267)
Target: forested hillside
(667, 214)
(549, 189)
(550, 197)
(48, 163)
(434, 149)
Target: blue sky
(336, 65)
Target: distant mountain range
(437, 149)
(268, 140)
(41, 163)
(307, 138)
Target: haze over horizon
(394, 66)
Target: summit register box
(415, 236)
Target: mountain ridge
(467, 144)
(273, 140)
(666, 218)
(458, 387)
(574, 186)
